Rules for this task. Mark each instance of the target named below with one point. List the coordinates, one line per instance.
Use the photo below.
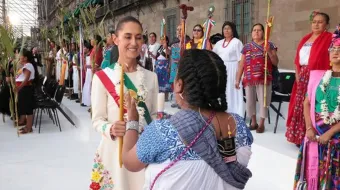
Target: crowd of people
(206, 144)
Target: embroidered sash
(110, 87)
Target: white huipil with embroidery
(105, 112)
(230, 53)
(86, 95)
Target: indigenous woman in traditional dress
(6, 86)
(106, 173)
(75, 70)
(319, 157)
(65, 57)
(197, 38)
(311, 54)
(110, 52)
(144, 51)
(59, 59)
(252, 65)
(86, 95)
(175, 55)
(174, 58)
(152, 50)
(162, 66)
(229, 49)
(221, 151)
(25, 90)
(96, 53)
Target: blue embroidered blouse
(160, 141)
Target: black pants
(26, 101)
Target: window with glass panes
(239, 12)
(171, 18)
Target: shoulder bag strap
(185, 151)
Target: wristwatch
(132, 125)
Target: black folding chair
(282, 93)
(51, 106)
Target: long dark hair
(28, 54)
(204, 79)
(200, 26)
(233, 28)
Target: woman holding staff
(24, 87)
(252, 65)
(105, 97)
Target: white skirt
(58, 70)
(66, 72)
(75, 79)
(191, 174)
(234, 96)
(86, 99)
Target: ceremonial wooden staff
(185, 10)
(81, 59)
(121, 115)
(163, 35)
(269, 24)
(209, 23)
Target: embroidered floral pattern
(104, 128)
(100, 178)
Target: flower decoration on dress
(100, 178)
(327, 118)
(312, 15)
(139, 96)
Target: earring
(331, 64)
(180, 95)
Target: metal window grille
(171, 27)
(240, 12)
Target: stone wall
(291, 23)
(152, 16)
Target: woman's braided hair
(204, 79)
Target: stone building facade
(291, 21)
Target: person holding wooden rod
(252, 66)
(107, 173)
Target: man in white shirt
(152, 48)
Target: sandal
(25, 130)
(260, 129)
(254, 127)
(20, 124)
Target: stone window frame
(241, 13)
(171, 28)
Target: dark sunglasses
(197, 30)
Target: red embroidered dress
(318, 60)
(255, 64)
